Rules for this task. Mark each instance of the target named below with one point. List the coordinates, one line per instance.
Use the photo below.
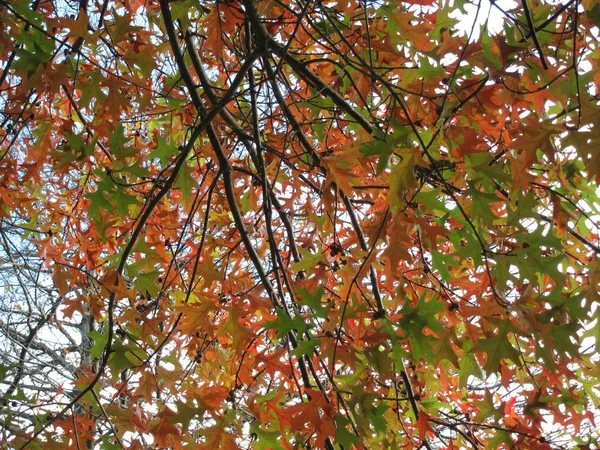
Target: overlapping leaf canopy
(309, 224)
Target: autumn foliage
(301, 224)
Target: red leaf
(423, 425)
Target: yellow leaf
(402, 177)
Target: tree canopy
(267, 224)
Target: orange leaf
(165, 433)
(423, 425)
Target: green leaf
(441, 262)
(266, 440)
(99, 343)
(98, 199)
(148, 284)
(592, 330)
(525, 208)
(478, 164)
(413, 322)
(377, 417)
(118, 144)
(383, 146)
(284, 324)
(186, 182)
(487, 408)
(306, 348)
(24, 9)
(443, 350)
(563, 337)
(30, 61)
(122, 201)
(383, 149)
(4, 371)
(342, 435)
(124, 356)
(137, 169)
(402, 177)
(109, 443)
(313, 300)
(481, 206)
(92, 89)
(185, 414)
(245, 202)
(567, 398)
(427, 70)
(63, 158)
(469, 367)
(398, 353)
(497, 348)
(74, 149)
(120, 27)
(377, 358)
(486, 41)
(309, 261)
(594, 14)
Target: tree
(39, 354)
(274, 225)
